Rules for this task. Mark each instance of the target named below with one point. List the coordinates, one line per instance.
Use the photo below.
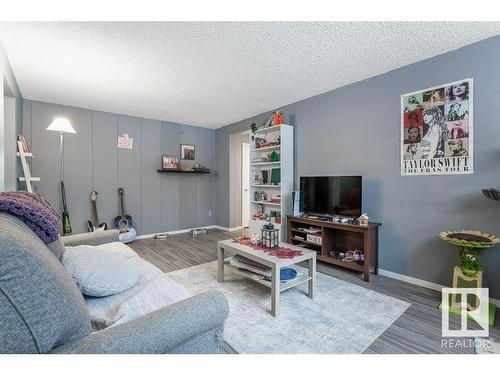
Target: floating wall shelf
(181, 171)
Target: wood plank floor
(418, 330)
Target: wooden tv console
(340, 237)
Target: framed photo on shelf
(169, 162)
(187, 152)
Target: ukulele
(94, 226)
(124, 222)
(65, 215)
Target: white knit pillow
(100, 273)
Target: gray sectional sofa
(43, 311)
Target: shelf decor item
(273, 156)
(169, 162)
(26, 147)
(363, 219)
(278, 118)
(253, 129)
(270, 236)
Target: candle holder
(270, 236)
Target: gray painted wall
(10, 123)
(356, 130)
(92, 161)
(10, 144)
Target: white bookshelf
(285, 165)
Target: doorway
(239, 178)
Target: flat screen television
(331, 195)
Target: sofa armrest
(92, 238)
(161, 331)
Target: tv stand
(331, 236)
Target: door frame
(245, 176)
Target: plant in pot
(469, 242)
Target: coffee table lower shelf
(283, 286)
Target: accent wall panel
(204, 155)
(129, 167)
(27, 121)
(26, 130)
(78, 166)
(170, 193)
(151, 180)
(157, 202)
(45, 146)
(105, 165)
(188, 183)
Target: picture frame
(169, 162)
(188, 152)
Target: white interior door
(245, 184)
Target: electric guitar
(124, 222)
(65, 215)
(94, 226)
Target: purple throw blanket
(34, 211)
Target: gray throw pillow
(100, 273)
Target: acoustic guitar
(93, 225)
(65, 215)
(124, 222)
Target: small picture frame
(169, 162)
(187, 152)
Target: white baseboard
(422, 283)
(175, 232)
(227, 229)
(150, 235)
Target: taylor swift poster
(436, 130)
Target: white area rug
(342, 318)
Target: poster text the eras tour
(437, 129)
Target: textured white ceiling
(214, 73)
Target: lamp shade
(61, 125)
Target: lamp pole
(61, 153)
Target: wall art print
(436, 130)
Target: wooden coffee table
(275, 263)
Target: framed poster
(437, 129)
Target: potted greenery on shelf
(253, 128)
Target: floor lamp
(63, 126)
